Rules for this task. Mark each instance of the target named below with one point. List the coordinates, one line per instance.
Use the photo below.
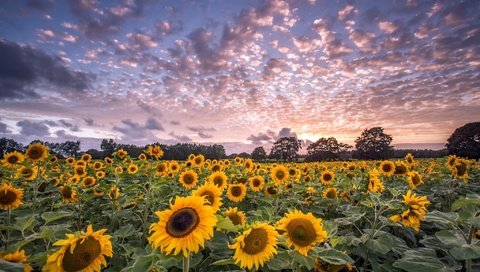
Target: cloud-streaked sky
(238, 73)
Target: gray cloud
(31, 128)
(153, 124)
(181, 138)
(4, 128)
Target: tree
(465, 141)
(326, 149)
(108, 147)
(285, 148)
(259, 154)
(9, 145)
(70, 148)
(374, 144)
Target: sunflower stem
(9, 216)
(146, 209)
(186, 262)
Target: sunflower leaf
(334, 256)
(226, 224)
(52, 216)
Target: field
(148, 214)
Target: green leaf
(449, 238)
(281, 261)
(8, 266)
(442, 217)
(124, 231)
(223, 262)
(333, 256)
(421, 260)
(226, 224)
(52, 216)
(143, 263)
(462, 202)
(25, 222)
(382, 244)
(465, 252)
(307, 261)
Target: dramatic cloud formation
(238, 73)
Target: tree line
(372, 144)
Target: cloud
(23, 67)
(167, 27)
(346, 12)
(181, 138)
(4, 129)
(261, 138)
(135, 131)
(286, 132)
(153, 124)
(202, 131)
(31, 128)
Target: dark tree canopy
(108, 147)
(374, 144)
(259, 154)
(285, 148)
(326, 149)
(465, 141)
(9, 145)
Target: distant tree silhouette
(465, 141)
(9, 145)
(326, 149)
(108, 147)
(259, 154)
(285, 148)
(374, 144)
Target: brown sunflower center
(400, 169)
(66, 191)
(415, 180)
(280, 174)
(331, 194)
(209, 196)
(235, 218)
(88, 181)
(292, 172)
(82, 256)
(271, 190)
(161, 168)
(216, 168)
(79, 171)
(27, 172)
(461, 169)
(301, 232)
(327, 177)
(182, 222)
(218, 180)
(35, 153)
(188, 179)
(12, 159)
(256, 241)
(236, 191)
(7, 197)
(256, 183)
(387, 168)
(198, 161)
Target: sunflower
(211, 193)
(327, 177)
(188, 179)
(237, 217)
(10, 197)
(108, 160)
(414, 179)
(330, 193)
(36, 152)
(155, 151)
(198, 160)
(271, 190)
(114, 192)
(173, 166)
(142, 157)
(302, 231)
(70, 160)
(255, 246)
(400, 168)
(184, 227)
(459, 169)
(118, 170)
(26, 172)
(387, 168)
(311, 190)
(161, 169)
(69, 195)
(97, 191)
(249, 165)
(216, 167)
(236, 192)
(451, 161)
(100, 174)
(97, 165)
(132, 169)
(80, 171)
(219, 179)
(88, 181)
(414, 212)
(279, 174)
(121, 154)
(256, 183)
(12, 159)
(374, 183)
(409, 158)
(85, 252)
(18, 257)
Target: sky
(238, 73)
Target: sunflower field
(149, 214)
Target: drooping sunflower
(460, 168)
(256, 183)
(10, 197)
(236, 192)
(279, 174)
(219, 179)
(330, 193)
(85, 252)
(416, 208)
(302, 231)
(184, 227)
(374, 183)
(12, 159)
(271, 190)
(237, 217)
(88, 181)
(414, 179)
(155, 151)
(36, 152)
(401, 168)
(121, 154)
(327, 177)
(18, 257)
(387, 168)
(212, 194)
(26, 172)
(255, 246)
(97, 191)
(114, 192)
(188, 179)
(69, 194)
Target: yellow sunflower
(36, 152)
(86, 157)
(302, 231)
(97, 165)
(97, 191)
(460, 168)
(121, 154)
(69, 195)
(414, 179)
(26, 172)
(256, 183)
(184, 227)
(114, 192)
(374, 183)
(219, 179)
(88, 181)
(387, 168)
(401, 168)
(198, 160)
(216, 167)
(327, 177)
(132, 169)
(271, 190)
(161, 169)
(10, 197)
(100, 174)
(255, 246)
(279, 174)
(330, 193)
(211, 193)
(416, 208)
(155, 151)
(70, 160)
(237, 217)
(236, 192)
(409, 158)
(108, 160)
(188, 179)
(18, 257)
(142, 157)
(85, 252)
(12, 159)
(80, 171)
(173, 167)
